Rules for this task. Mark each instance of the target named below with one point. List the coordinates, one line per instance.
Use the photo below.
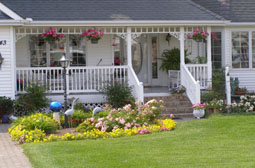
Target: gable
(3, 16)
(105, 10)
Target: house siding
(246, 78)
(103, 50)
(7, 80)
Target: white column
(182, 46)
(209, 56)
(129, 47)
(182, 52)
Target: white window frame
(249, 30)
(67, 52)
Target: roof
(234, 10)
(107, 10)
(3, 16)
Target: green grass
(217, 142)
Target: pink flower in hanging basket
(92, 34)
(51, 35)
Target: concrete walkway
(11, 154)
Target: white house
(136, 32)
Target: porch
(93, 64)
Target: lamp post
(1, 60)
(64, 61)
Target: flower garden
(126, 121)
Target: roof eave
(241, 24)
(129, 23)
(11, 22)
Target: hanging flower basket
(51, 35)
(93, 35)
(200, 36)
(94, 41)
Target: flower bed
(126, 121)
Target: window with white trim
(42, 56)
(240, 49)
(216, 50)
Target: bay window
(45, 54)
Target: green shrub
(37, 121)
(124, 118)
(6, 106)
(218, 83)
(118, 95)
(34, 99)
(79, 107)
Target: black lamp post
(1, 60)
(64, 61)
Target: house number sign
(2, 42)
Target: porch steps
(178, 105)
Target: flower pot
(94, 41)
(198, 113)
(5, 119)
(240, 92)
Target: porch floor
(156, 91)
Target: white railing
(79, 79)
(138, 90)
(174, 78)
(200, 73)
(192, 86)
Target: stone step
(179, 105)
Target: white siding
(7, 82)
(245, 77)
(103, 50)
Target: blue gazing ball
(55, 106)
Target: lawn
(220, 141)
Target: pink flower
(128, 125)
(171, 115)
(101, 33)
(122, 121)
(188, 36)
(164, 129)
(91, 119)
(127, 107)
(144, 131)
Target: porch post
(209, 56)
(182, 52)
(129, 47)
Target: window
(253, 49)
(137, 55)
(216, 51)
(57, 49)
(77, 50)
(120, 51)
(44, 54)
(240, 49)
(154, 57)
(37, 51)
